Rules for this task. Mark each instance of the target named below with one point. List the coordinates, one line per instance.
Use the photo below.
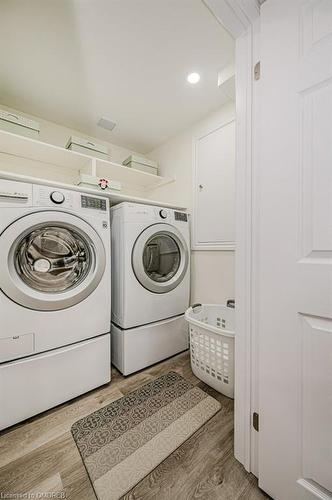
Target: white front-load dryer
(54, 297)
(150, 284)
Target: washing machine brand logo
(105, 225)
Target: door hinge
(255, 421)
(257, 71)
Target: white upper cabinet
(214, 185)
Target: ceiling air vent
(106, 123)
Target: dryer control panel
(134, 212)
(181, 216)
(169, 215)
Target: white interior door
(295, 250)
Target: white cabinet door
(295, 249)
(214, 178)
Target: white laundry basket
(212, 335)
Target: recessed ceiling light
(193, 78)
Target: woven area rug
(123, 442)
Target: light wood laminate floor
(40, 456)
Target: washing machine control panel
(92, 202)
(163, 214)
(57, 197)
(46, 196)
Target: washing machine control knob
(163, 214)
(57, 197)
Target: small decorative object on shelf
(99, 182)
(103, 183)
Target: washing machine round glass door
(160, 258)
(50, 260)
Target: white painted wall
(212, 271)
(212, 276)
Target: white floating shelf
(114, 197)
(130, 176)
(41, 152)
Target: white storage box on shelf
(211, 328)
(141, 163)
(16, 124)
(88, 147)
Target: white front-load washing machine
(54, 297)
(150, 284)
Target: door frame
(241, 20)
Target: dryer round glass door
(50, 260)
(160, 258)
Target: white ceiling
(73, 61)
